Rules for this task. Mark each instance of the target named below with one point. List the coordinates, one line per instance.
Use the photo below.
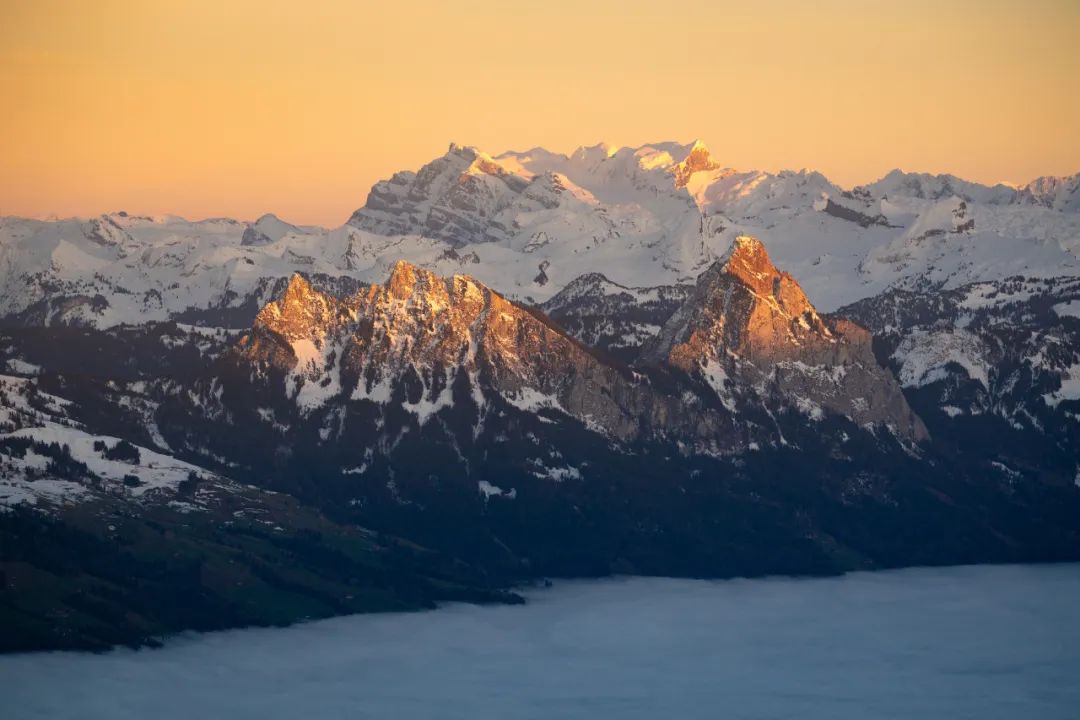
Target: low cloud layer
(990, 642)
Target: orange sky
(239, 107)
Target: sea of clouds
(970, 642)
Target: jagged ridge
(747, 330)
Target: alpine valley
(508, 368)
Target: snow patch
(718, 380)
(924, 356)
(1068, 309)
(1070, 387)
(489, 491)
(531, 400)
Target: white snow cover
(154, 470)
(489, 491)
(642, 216)
(531, 400)
(1070, 387)
(1068, 309)
(557, 473)
(924, 356)
(718, 380)
(18, 365)
(39, 417)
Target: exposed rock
(455, 198)
(364, 346)
(747, 331)
(992, 367)
(104, 231)
(697, 160)
(846, 213)
(1057, 193)
(541, 277)
(749, 327)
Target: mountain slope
(528, 223)
(424, 331)
(419, 339)
(993, 367)
(103, 541)
(614, 318)
(749, 328)
(252, 422)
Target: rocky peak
(748, 260)
(302, 312)
(423, 330)
(403, 279)
(698, 159)
(748, 327)
(456, 149)
(456, 197)
(742, 304)
(104, 230)
(1056, 192)
(297, 290)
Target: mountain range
(507, 368)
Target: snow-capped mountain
(529, 223)
(1060, 193)
(995, 362)
(504, 367)
(420, 341)
(426, 344)
(748, 329)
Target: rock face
(749, 328)
(747, 331)
(1056, 193)
(992, 367)
(742, 433)
(529, 223)
(671, 413)
(697, 160)
(424, 331)
(458, 198)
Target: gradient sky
(217, 107)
